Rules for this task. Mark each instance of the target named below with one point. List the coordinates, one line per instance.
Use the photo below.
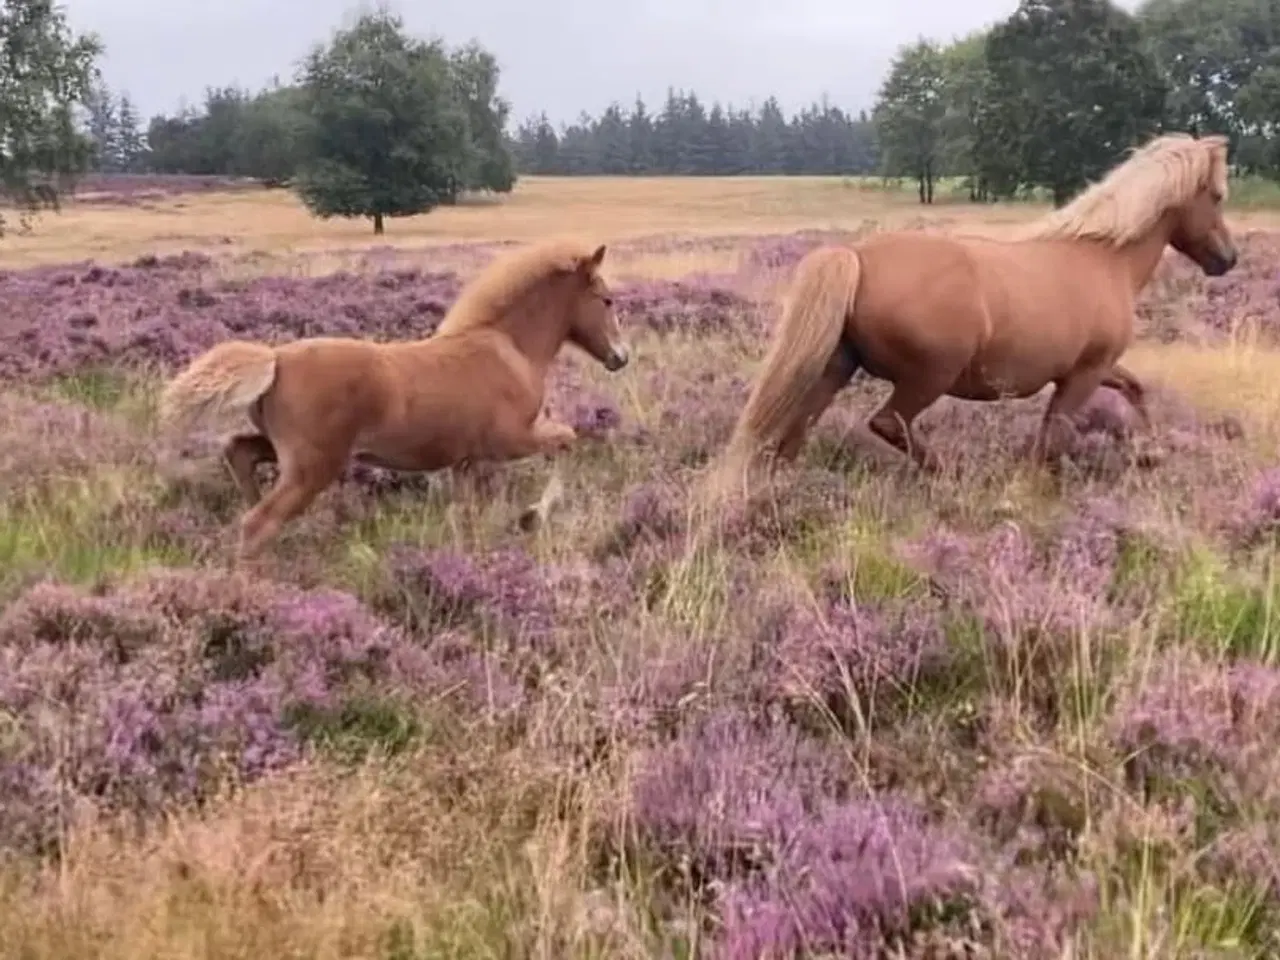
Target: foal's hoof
(530, 519)
(1150, 458)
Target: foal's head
(593, 324)
(1199, 232)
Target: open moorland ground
(998, 712)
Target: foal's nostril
(618, 357)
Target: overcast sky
(562, 56)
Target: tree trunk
(377, 224)
(920, 181)
(1060, 195)
(928, 177)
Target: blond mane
(509, 279)
(1123, 206)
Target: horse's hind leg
(840, 370)
(1132, 389)
(242, 454)
(894, 422)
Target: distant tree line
(686, 137)
(381, 124)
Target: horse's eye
(608, 301)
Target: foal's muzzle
(617, 359)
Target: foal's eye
(608, 301)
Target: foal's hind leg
(1132, 389)
(894, 422)
(242, 454)
(301, 481)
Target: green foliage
(488, 164)
(46, 71)
(911, 114)
(390, 119)
(1071, 87)
(269, 136)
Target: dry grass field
(998, 712)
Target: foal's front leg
(515, 441)
(547, 437)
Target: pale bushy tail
(823, 290)
(226, 380)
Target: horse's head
(1199, 231)
(593, 324)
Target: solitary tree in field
(386, 134)
(45, 72)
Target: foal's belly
(407, 457)
(402, 464)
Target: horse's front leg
(1123, 380)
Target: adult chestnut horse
(985, 319)
(472, 392)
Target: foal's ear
(592, 263)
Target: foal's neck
(539, 325)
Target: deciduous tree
(909, 115)
(386, 136)
(46, 72)
(489, 165)
(1071, 86)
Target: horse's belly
(1003, 379)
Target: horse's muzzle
(617, 359)
(1218, 263)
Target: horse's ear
(593, 262)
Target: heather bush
(730, 791)
(46, 446)
(1187, 718)
(859, 664)
(877, 878)
(157, 690)
(798, 860)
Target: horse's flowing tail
(823, 291)
(226, 380)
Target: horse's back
(918, 299)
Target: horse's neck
(1144, 255)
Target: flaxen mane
(1166, 171)
(507, 280)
